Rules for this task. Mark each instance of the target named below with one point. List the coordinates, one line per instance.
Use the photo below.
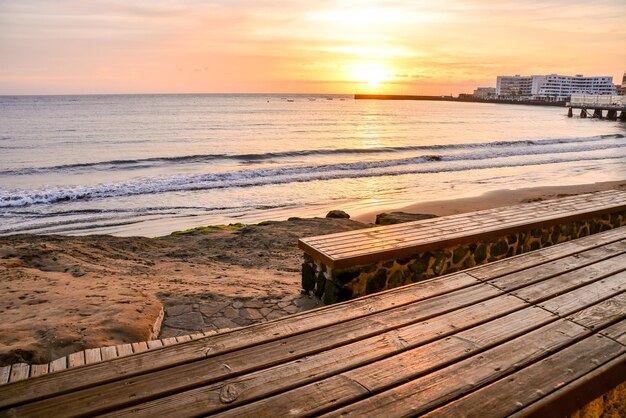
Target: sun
(372, 74)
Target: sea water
(151, 164)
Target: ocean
(151, 164)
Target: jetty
(592, 106)
(464, 99)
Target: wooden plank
(415, 233)
(239, 338)
(616, 332)
(612, 309)
(38, 370)
(572, 279)
(183, 338)
(19, 371)
(506, 396)
(528, 260)
(124, 350)
(436, 372)
(591, 293)
(136, 389)
(211, 398)
(76, 359)
(108, 353)
(55, 366)
(140, 347)
(169, 341)
(92, 355)
(548, 206)
(575, 261)
(5, 372)
(567, 399)
(155, 344)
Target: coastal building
(552, 87)
(514, 87)
(485, 93)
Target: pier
(592, 106)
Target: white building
(552, 87)
(485, 92)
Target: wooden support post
(570, 113)
(611, 114)
(597, 113)
(622, 116)
(583, 113)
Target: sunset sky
(289, 46)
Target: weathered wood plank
(575, 261)
(231, 392)
(505, 396)
(589, 294)
(616, 332)
(92, 355)
(612, 309)
(183, 338)
(155, 344)
(124, 350)
(19, 371)
(76, 359)
(108, 353)
(38, 369)
(56, 366)
(432, 371)
(169, 341)
(244, 337)
(5, 372)
(572, 279)
(140, 347)
(567, 399)
(135, 389)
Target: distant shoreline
(455, 99)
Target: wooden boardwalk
(540, 333)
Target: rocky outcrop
(401, 217)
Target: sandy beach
(62, 294)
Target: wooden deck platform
(541, 333)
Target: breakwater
(455, 99)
